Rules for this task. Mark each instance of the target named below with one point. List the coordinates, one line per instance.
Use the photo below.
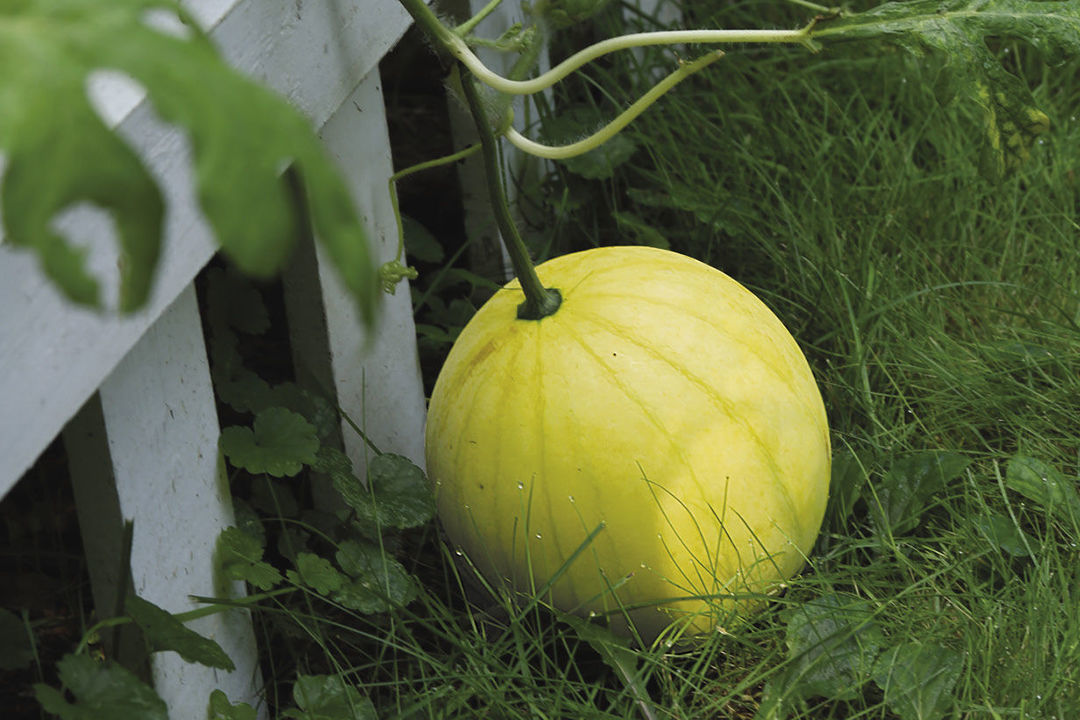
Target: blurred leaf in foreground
(59, 153)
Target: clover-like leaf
(832, 643)
(956, 32)
(1003, 534)
(240, 555)
(378, 582)
(317, 573)
(279, 443)
(59, 153)
(397, 494)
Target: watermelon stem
(539, 300)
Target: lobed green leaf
(280, 443)
(60, 153)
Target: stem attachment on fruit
(539, 301)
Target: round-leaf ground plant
(662, 401)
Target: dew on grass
(539, 536)
(521, 486)
(571, 497)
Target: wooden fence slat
(375, 376)
(148, 452)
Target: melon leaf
(909, 484)
(956, 32)
(832, 644)
(60, 153)
(918, 679)
(1041, 482)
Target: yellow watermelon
(663, 401)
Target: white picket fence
(131, 396)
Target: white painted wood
(159, 426)
(374, 375)
(54, 356)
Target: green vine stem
(459, 48)
(562, 152)
(469, 25)
(539, 301)
(393, 272)
(625, 42)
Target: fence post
(145, 449)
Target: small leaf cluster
(104, 688)
(835, 647)
(341, 558)
(902, 496)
